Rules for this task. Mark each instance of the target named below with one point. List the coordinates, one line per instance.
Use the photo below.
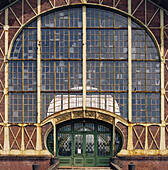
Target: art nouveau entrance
(83, 142)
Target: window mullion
(84, 55)
(130, 138)
(39, 142)
(129, 70)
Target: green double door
(84, 150)
(84, 144)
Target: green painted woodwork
(84, 143)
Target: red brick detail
(153, 137)
(145, 162)
(1, 55)
(2, 85)
(156, 33)
(166, 107)
(12, 32)
(140, 12)
(166, 42)
(28, 12)
(124, 130)
(2, 44)
(44, 130)
(75, 1)
(123, 5)
(17, 9)
(151, 9)
(15, 136)
(33, 5)
(138, 137)
(30, 134)
(12, 21)
(60, 2)
(45, 5)
(94, 1)
(166, 136)
(1, 137)
(107, 2)
(166, 75)
(23, 162)
(165, 18)
(2, 17)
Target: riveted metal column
(162, 128)
(84, 56)
(130, 139)
(38, 142)
(6, 127)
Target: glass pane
(107, 44)
(103, 144)
(107, 75)
(15, 107)
(153, 107)
(47, 75)
(153, 76)
(15, 75)
(47, 43)
(138, 44)
(65, 128)
(64, 144)
(84, 126)
(102, 128)
(30, 107)
(30, 75)
(16, 52)
(30, 44)
(61, 43)
(93, 75)
(121, 44)
(118, 142)
(78, 143)
(75, 49)
(50, 142)
(89, 144)
(138, 75)
(47, 104)
(121, 75)
(78, 126)
(122, 104)
(120, 21)
(138, 107)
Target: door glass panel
(78, 126)
(103, 144)
(89, 126)
(64, 144)
(84, 127)
(78, 139)
(89, 144)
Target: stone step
(84, 168)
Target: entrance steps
(84, 168)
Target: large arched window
(106, 66)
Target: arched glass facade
(62, 66)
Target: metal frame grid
(107, 62)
